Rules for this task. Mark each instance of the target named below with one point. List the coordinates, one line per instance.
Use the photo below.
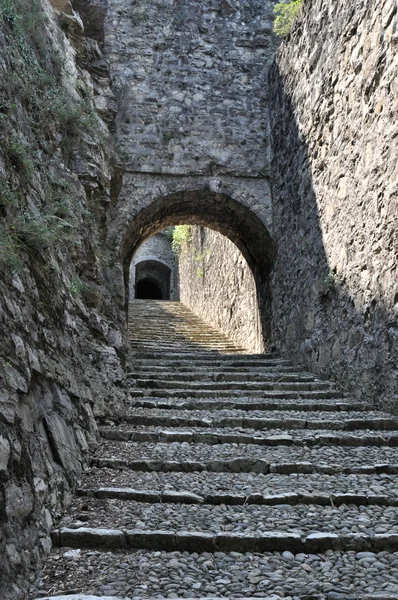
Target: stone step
(183, 348)
(184, 339)
(191, 334)
(333, 575)
(249, 404)
(115, 533)
(234, 458)
(273, 437)
(234, 499)
(377, 596)
(202, 541)
(243, 466)
(236, 393)
(185, 345)
(260, 420)
(246, 488)
(206, 359)
(253, 524)
(178, 327)
(233, 376)
(203, 370)
(175, 384)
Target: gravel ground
(144, 574)
(247, 483)
(119, 514)
(177, 451)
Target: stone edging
(196, 541)
(183, 497)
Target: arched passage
(216, 211)
(152, 280)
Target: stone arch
(157, 274)
(215, 210)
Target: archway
(152, 280)
(216, 211)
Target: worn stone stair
(232, 476)
(163, 326)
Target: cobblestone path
(230, 475)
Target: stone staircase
(170, 326)
(230, 475)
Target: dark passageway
(148, 290)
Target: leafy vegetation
(286, 11)
(182, 236)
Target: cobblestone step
(234, 376)
(273, 437)
(234, 487)
(273, 597)
(204, 359)
(230, 499)
(260, 386)
(144, 574)
(249, 404)
(200, 541)
(207, 369)
(261, 420)
(237, 393)
(236, 458)
(244, 466)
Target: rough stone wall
(190, 83)
(62, 338)
(158, 248)
(218, 285)
(334, 118)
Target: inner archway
(217, 211)
(152, 277)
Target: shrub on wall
(182, 235)
(286, 12)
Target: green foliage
(199, 257)
(168, 233)
(329, 282)
(18, 156)
(8, 197)
(182, 236)
(286, 11)
(33, 234)
(76, 286)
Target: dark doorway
(147, 290)
(152, 280)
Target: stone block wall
(334, 115)
(63, 341)
(218, 285)
(189, 77)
